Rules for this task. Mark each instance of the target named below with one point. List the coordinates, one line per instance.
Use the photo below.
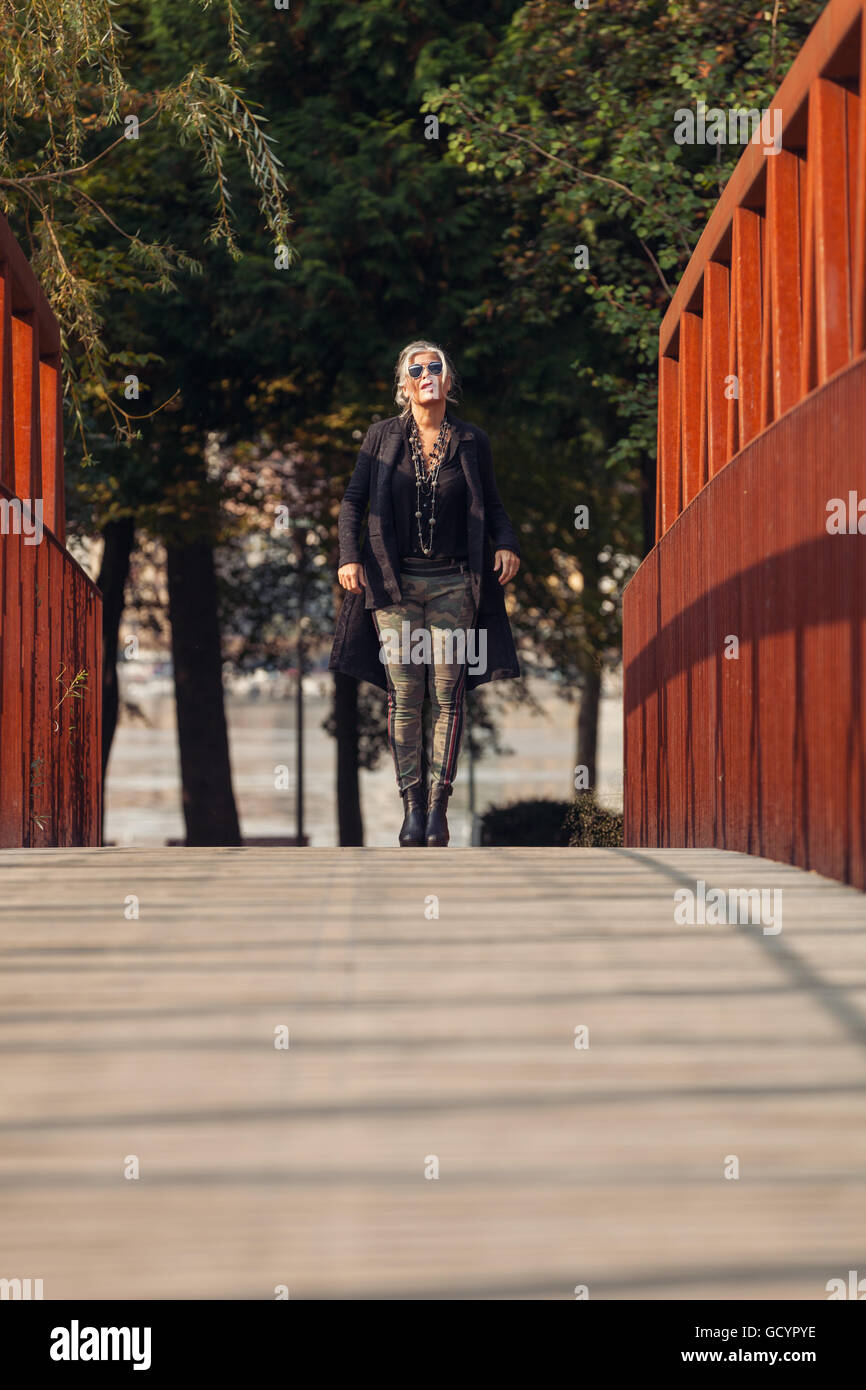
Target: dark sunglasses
(417, 368)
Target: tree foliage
(69, 101)
(571, 129)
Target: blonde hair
(401, 396)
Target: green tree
(388, 247)
(569, 130)
(80, 100)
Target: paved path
(412, 1037)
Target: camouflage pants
(427, 631)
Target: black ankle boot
(436, 832)
(415, 803)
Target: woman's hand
(508, 562)
(352, 577)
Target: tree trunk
(208, 800)
(119, 538)
(349, 820)
(587, 719)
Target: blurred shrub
(588, 825)
(526, 823)
(581, 822)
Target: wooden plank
(70, 728)
(858, 239)
(6, 658)
(747, 324)
(808, 308)
(852, 135)
(41, 828)
(51, 425)
(783, 238)
(7, 459)
(827, 159)
(703, 427)
(28, 289)
(691, 334)
(12, 805)
(25, 407)
(306, 1166)
(716, 331)
(55, 614)
(669, 470)
(732, 415)
(94, 738)
(766, 411)
(27, 603)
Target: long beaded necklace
(426, 479)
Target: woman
(423, 594)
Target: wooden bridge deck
(411, 1037)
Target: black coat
(356, 642)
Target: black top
(449, 530)
(363, 491)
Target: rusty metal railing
(772, 302)
(745, 628)
(50, 611)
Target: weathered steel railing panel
(50, 611)
(745, 715)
